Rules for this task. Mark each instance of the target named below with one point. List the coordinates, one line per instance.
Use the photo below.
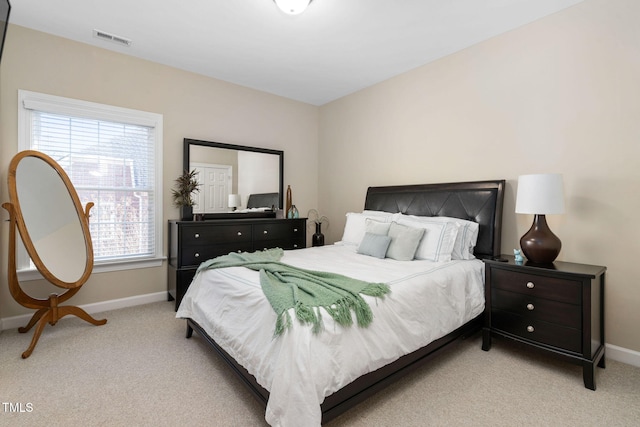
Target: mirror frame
(48, 310)
(188, 142)
(83, 216)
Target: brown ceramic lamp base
(539, 244)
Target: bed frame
(479, 201)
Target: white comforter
(299, 369)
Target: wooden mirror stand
(48, 310)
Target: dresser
(558, 309)
(192, 242)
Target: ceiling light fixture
(292, 7)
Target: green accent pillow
(374, 245)
(404, 241)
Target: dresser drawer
(194, 255)
(280, 243)
(207, 234)
(528, 306)
(537, 330)
(552, 288)
(277, 231)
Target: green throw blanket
(288, 287)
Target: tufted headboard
(479, 201)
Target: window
(113, 157)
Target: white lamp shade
(234, 200)
(540, 194)
(292, 7)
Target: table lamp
(540, 195)
(234, 201)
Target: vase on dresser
(293, 212)
(318, 238)
(288, 201)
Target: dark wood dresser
(557, 308)
(192, 242)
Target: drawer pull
(239, 233)
(530, 307)
(530, 285)
(530, 328)
(197, 235)
(295, 246)
(265, 232)
(197, 255)
(295, 230)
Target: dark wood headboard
(478, 201)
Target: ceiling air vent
(111, 37)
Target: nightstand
(557, 308)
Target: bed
(309, 387)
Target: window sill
(33, 274)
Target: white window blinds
(110, 155)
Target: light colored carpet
(138, 369)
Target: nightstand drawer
(531, 307)
(207, 235)
(536, 330)
(552, 288)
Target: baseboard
(613, 352)
(621, 354)
(98, 307)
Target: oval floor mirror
(45, 209)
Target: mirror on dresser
(236, 181)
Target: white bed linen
(299, 369)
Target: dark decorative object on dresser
(558, 308)
(191, 243)
(318, 238)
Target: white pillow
(439, 238)
(383, 214)
(376, 226)
(466, 238)
(355, 227)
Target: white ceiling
(333, 49)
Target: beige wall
(558, 95)
(193, 106)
